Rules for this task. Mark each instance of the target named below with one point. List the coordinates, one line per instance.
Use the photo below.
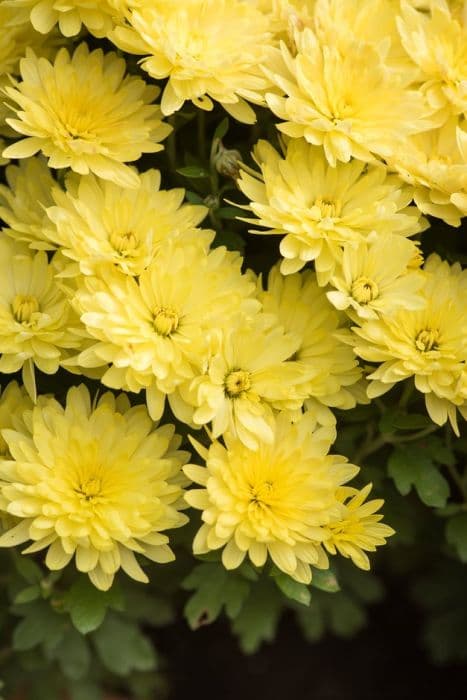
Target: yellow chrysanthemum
(95, 483)
(376, 278)
(84, 114)
(98, 222)
(246, 378)
(435, 163)
(437, 43)
(304, 311)
(3, 161)
(14, 401)
(320, 208)
(210, 50)
(429, 345)
(348, 102)
(23, 201)
(277, 501)
(157, 331)
(37, 324)
(70, 15)
(358, 529)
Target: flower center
(427, 340)
(23, 307)
(123, 242)
(90, 489)
(364, 290)
(328, 209)
(260, 494)
(165, 321)
(237, 382)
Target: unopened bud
(227, 161)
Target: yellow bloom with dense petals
(157, 330)
(277, 501)
(358, 529)
(83, 113)
(437, 43)
(248, 377)
(347, 102)
(320, 208)
(37, 324)
(435, 164)
(304, 311)
(210, 50)
(97, 483)
(376, 278)
(69, 15)
(23, 201)
(97, 222)
(14, 401)
(429, 345)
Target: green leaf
(456, 535)
(193, 171)
(73, 655)
(221, 129)
(416, 421)
(293, 589)
(193, 198)
(88, 606)
(122, 647)
(347, 616)
(325, 580)
(229, 212)
(215, 588)
(85, 690)
(258, 619)
(231, 240)
(40, 624)
(28, 569)
(411, 465)
(27, 595)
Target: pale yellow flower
(210, 50)
(437, 43)
(429, 345)
(273, 502)
(246, 379)
(69, 15)
(320, 208)
(376, 279)
(95, 482)
(14, 400)
(435, 163)
(23, 201)
(304, 311)
(98, 222)
(358, 529)
(158, 330)
(347, 102)
(83, 113)
(37, 324)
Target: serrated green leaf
(325, 580)
(347, 616)
(193, 198)
(193, 171)
(40, 624)
(73, 655)
(293, 589)
(412, 466)
(123, 648)
(456, 535)
(432, 487)
(27, 595)
(258, 619)
(415, 421)
(402, 471)
(215, 588)
(28, 569)
(88, 606)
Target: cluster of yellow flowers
(106, 274)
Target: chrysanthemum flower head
(304, 311)
(97, 483)
(23, 201)
(273, 502)
(429, 345)
(347, 102)
(437, 43)
(84, 114)
(37, 324)
(246, 378)
(320, 208)
(358, 529)
(69, 15)
(157, 331)
(435, 163)
(376, 278)
(14, 401)
(98, 222)
(210, 50)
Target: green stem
(406, 394)
(201, 122)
